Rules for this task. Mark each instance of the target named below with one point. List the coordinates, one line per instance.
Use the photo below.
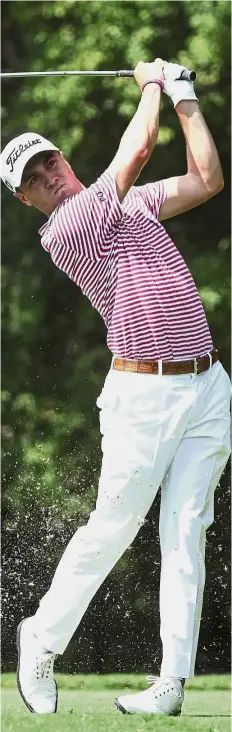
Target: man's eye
(33, 180)
(51, 163)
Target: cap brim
(28, 155)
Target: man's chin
(64, 192)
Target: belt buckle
(195, 360)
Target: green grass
(86, 705)
(89, 682)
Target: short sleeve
(154, 195)
(86, 222)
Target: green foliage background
(54, 356)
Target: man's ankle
(178, 678)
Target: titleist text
(17, 151)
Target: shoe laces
(44, 666)
(162, 686)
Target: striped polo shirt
(124, 261)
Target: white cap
(16, 154)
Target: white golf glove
(177, 90)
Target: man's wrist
(151, 90)
(158, 82)
(187, 107)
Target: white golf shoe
(165, 696)
(35, 679)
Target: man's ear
(22, 198)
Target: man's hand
(177, 89)
(147, 72)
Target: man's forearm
(202, 156)
(142, 132)
(140, 137)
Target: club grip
(188, 75)
(125, 72)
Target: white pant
(171, 431)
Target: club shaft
(28, 74)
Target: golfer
(164, 407)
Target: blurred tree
(54, 356)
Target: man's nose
(51, 179)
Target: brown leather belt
(192, 366)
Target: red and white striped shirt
(124, 261)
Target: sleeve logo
(101, 196)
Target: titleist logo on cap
(17, 151)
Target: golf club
(185, 74)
